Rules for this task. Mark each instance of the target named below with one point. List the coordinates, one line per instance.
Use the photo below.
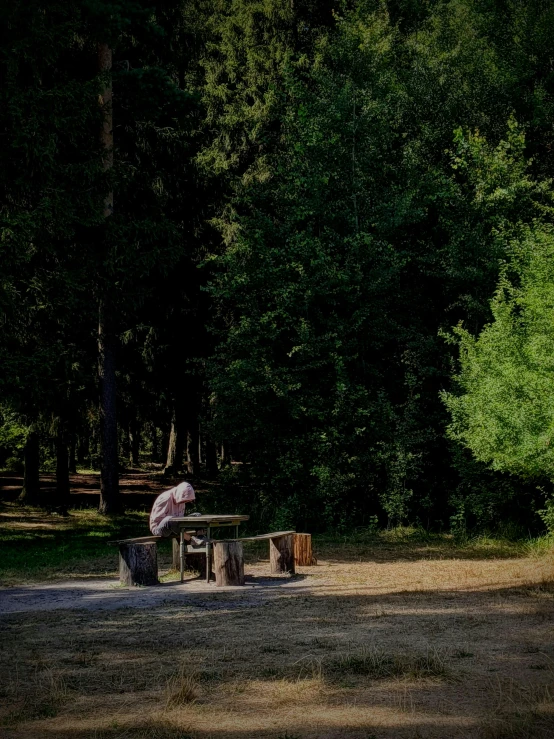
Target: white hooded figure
(169, 505)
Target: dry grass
(400, 641)
(378, 664)
(181, 688)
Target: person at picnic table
(170, 505)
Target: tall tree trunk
(63, 490)
(192, 448)
(154, 457)
(109, 462)
(30, 494)
(134, 441)
(72, 449)
(124, 438)
(176, 445)
(83, 452)
(165, 445)
(107, 342)
(171, 447)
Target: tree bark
(109, 463)
(154, 443)
(134, 441)
(107, 341)
(176, 446)
(30, 494)
(138, 564)
(124, 438)
(63, 490)
(303, 556)
(193, 438)
(72, 451)
(281, 554)
(228, 563)
(83, 451)
(170, 461)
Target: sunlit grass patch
(37, 545)
(182, 688)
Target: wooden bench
(138, 560)
(229, 556)
(281, 550)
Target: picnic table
(209, 522)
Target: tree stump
(138, 564)
(228, 563)
(281, 554)
(303, 556)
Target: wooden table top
(210, 518)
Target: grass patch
(519, 711)
(42, 696)
(377, 664)
(36, 545)
(181, 688)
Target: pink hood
(171, 503)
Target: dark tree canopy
(301, 200)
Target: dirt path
(107, 595)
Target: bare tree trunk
(109, 464)
(63, 490)
(172, 446)
(83, 452)
(30, 494)
(107, 341)
(124, 435)
(73, 446)
(176, 444)
(134, 441)
(165, 445)
(192, 448)
(154, 442)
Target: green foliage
(12, 442)
(369, 231)
(355, 178)
(547, 515)
(504, 413)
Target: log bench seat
(229, 556)
(138, 560)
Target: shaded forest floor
(395, 635)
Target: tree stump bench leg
(228, 563)
(303, 556)
(138, 564)
(281, 554)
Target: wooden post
(138, 564)
(228, 563)
(194, 562)
(303, 556)
(175, 551)
(281, 554)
